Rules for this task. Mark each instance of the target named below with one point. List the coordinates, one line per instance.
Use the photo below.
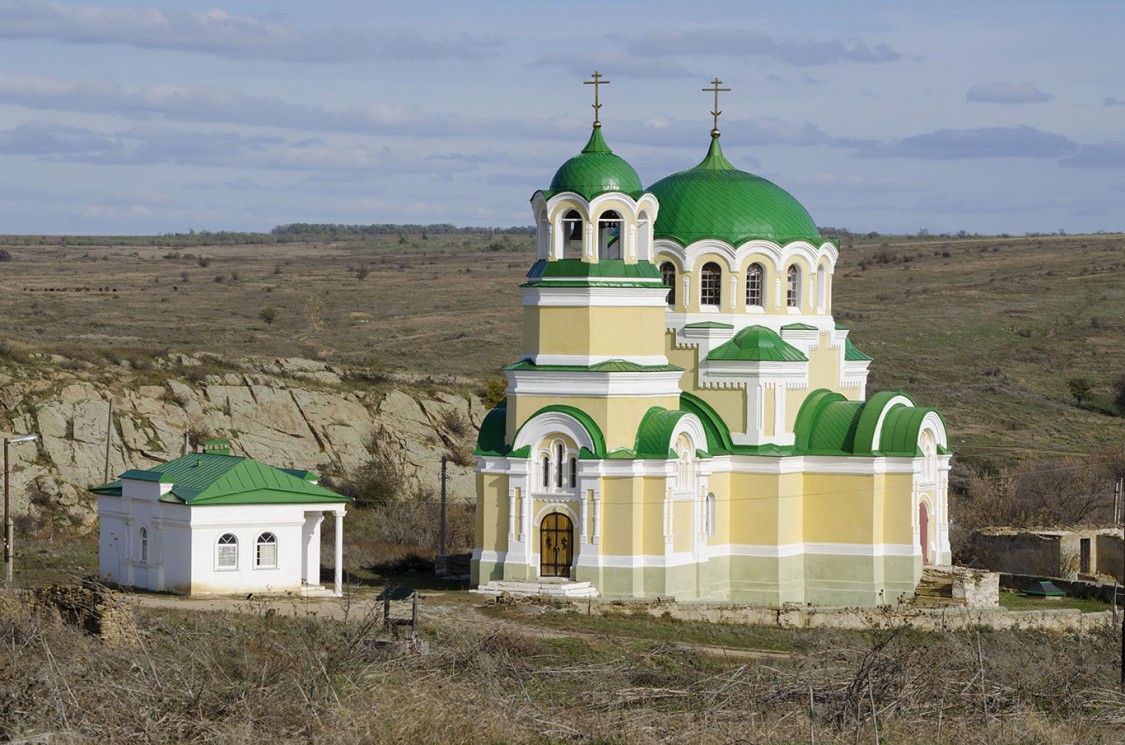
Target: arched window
(668, 277)
(609, 236)
(754, 294)
(572, 235)
(793, 287)
(709, 516)
(265, 551)
(559, 464)
(226, 552)
(143, 553)
(821, 288)
(573, 472)
(545, 469)
(928, 446)
(711, 285)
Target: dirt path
(447, 608)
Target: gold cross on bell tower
(715, 111)
(597, 80)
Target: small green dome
(757, 344)
(716, 200)
(595, 171)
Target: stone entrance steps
(551, 588)
(935, 590)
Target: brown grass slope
(990, 330)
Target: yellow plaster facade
(717, 446)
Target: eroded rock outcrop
(286, 412)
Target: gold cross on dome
(596, 82)
(715, 111)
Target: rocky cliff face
(290, 413)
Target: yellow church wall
(841, 508)
(653, 491)
(683, 526)
(610, 332)
(492, 512)
(824, 368)
(618, 418)
(622, 529)
(730, 403)
(898, 509)
(755, 515)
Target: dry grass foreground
(990, 330)
(494, 676)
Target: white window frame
(143, 545)
(220, 566)
(752, 271)
(265, 540)
(717, 287)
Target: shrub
(1081, 389)
(5, 254)
(494, 392)
(268, 315)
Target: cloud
(1106, 155)
(219, 33)
(625, 65)
(1006, 93)
(212, 104)
(1113, 101)
(984, 142)
(743, 42)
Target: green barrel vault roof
(716, 200)
(757, 344)
(215, 479)
(654, 435)
(490, 440)
(596, 170)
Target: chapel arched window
(143, 553)
(573, 472)
(793, 287)
(668, 277)
(559, 464)
(545, 471)
(754, 286)
(265, 551)
(609, 235)
(572, 235)
(711, 285)
(226, 552)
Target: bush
(5, 254)
(268, 315)
(494, 392)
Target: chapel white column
(339, 586)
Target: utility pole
(1117, 500)
(441, 532)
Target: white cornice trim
(582, 360)
(597, 297)
(571, 384)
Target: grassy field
(990, 330)
(532, 674)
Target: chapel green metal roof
(490, 440)
(716, 200)
(836, 427)
(708, 325)
(216, 479)
(852, 353)
(603, 269)
(606, 366)
(654, 435)
(757, 344)
(585, 420)
(596, 170)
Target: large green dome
(595, 171)
(716, 200)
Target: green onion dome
(595, 171)
(716, 200)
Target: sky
(141, 118)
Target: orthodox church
(686, 419)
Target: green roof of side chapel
(757, 344)
(596, 170)
(212, 479)
(716, 200)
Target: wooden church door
(924, 531)
(556, 541)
